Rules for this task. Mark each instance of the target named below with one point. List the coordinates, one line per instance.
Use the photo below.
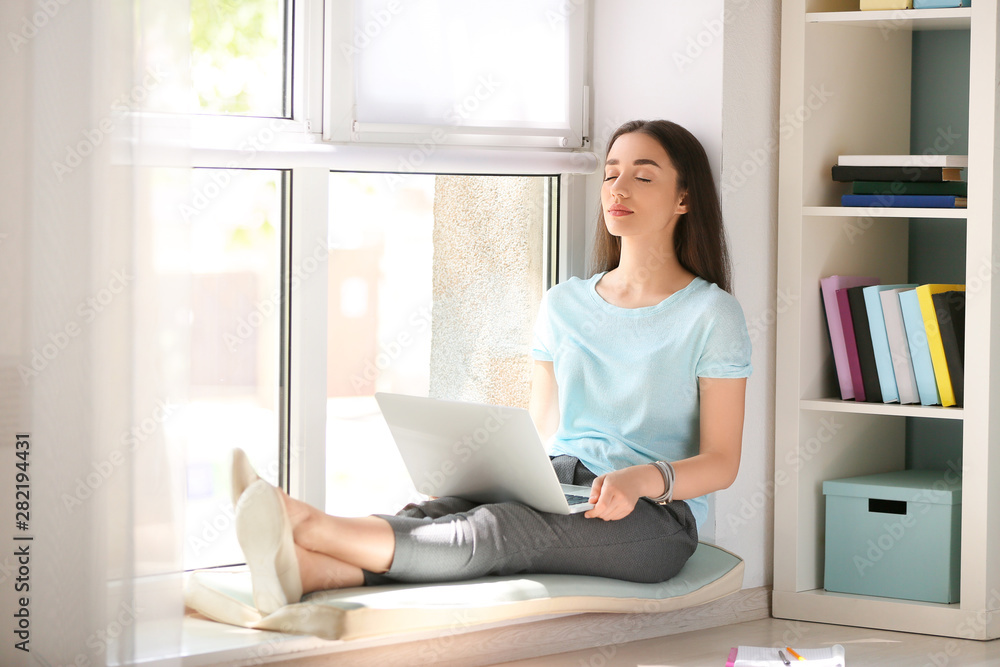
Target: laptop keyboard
(576, 500)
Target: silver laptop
(483, 453)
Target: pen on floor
(783, 658)
(794, 654)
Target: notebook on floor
(484, 453)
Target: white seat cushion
(368, 611)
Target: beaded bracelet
(667, 471)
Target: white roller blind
(481, 71)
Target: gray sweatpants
(450, 539)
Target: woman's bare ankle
(320, 572)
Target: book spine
(899, 201)
(835, 328)
(934, 346)
(950, 310)
(847, 174)
(863, 339)
(850, 345)
(916, 336)
(899, 348)
(954, 188)
(880, 345)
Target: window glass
(459, 63)
(434, 285)
(215, 267)
(238, 56)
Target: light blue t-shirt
(628, 377)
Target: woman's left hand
(615, 494)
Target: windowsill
(206, 642)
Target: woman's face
(639, 195)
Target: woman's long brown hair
(699, 236)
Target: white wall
(712, 67)
(749, 187)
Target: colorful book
(956, 188)
(904, 201)
(828, 291)
(899, 348)
(880, 341)
(868, 5)
(939, 4)
(915, 174)
(863, 339)
(850, 344)
(959, 161)
(934, 346)
(950, 309)
(916, 336)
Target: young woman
(639, 387)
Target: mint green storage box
(895, 535)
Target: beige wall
(487, 287)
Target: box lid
(936, 487)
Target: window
(434, 283)
(483, 73)
(239, 58)
(215, 274)
(234, 321)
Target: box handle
(886, 506)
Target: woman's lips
(619, 210)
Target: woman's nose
(618, 188)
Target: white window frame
(297, 144)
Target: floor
(707, 648)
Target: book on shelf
(778, 656)
(869, 5)
(941, 377)
(910, 174)
(863, 340)
(920, 356)
(850, 344)
(899, 348)
(904, 201)
(828, 293)
(950, 309)
(956, 188)
(959, 161)
(940, 4)
(880, 341)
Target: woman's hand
(615, 494)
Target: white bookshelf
(862, 62)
